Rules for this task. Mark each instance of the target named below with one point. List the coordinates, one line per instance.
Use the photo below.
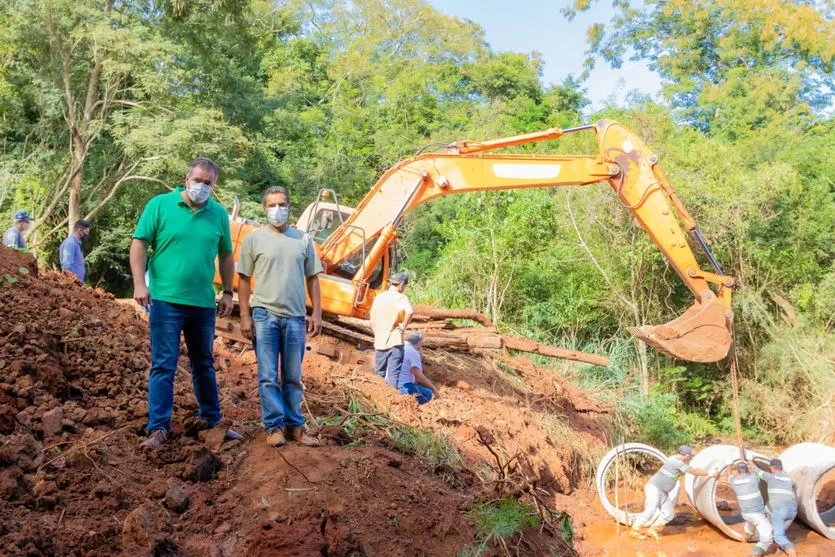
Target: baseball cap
(741, 466)
(22, 215)
(776, 463)
(399, 278)
(685, 450)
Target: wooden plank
(227, 328)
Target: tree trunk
(74, 205)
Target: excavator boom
(701, 334)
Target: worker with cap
(782, 498)
(746, 486)
(13, 237)
(661, 493)
(412, 380)
(70, 253)
(390, 314)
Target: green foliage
(656, 423)
(500, 521)
(732, 65)
(321, 94)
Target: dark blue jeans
(279, 343)
(387, 363)
(198, 327)
(422, 394)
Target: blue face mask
(277, 215)
(198, 192)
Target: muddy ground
(73, 376)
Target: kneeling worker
(661, 493)
(782, 499)
(746, 485)
(412, 381)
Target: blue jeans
(198, 327)
(387, 363)
(279, 342)
(424, 395)
(781, 518)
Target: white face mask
(198, 192)
(277, 215)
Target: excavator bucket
(700, 334)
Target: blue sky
(528, 25)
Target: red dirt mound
(73, 367)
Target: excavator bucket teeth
(700, 334)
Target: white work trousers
(760, 523)
(659, 507)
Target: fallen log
(465, 338)
(429, 312)
(533, 347)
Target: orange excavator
(357, 246)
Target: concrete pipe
(607, 462)
(811, 466)
(702, 490)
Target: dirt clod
(177, 498)
(52, 422)
(146, 526)
(203, 466)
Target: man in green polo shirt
(186, 230)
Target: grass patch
(443, 457)
(498, 522)
(440, 454)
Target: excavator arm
(701, 334)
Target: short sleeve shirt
(279, 262)
(669, 474)
(748, 496)
(388, 311)
(411, 359)
(14, 238)
(781, 490)
(185, 244)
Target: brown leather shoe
(298, 435)
(275, 438)
(155, 440)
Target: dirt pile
(70, 356)
(73, 378)
(495, 409)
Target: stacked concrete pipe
(808, 464)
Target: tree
(777, 55)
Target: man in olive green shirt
(186, 231)
(283, 261)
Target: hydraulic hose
(809, 464)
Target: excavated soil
(73, 378)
